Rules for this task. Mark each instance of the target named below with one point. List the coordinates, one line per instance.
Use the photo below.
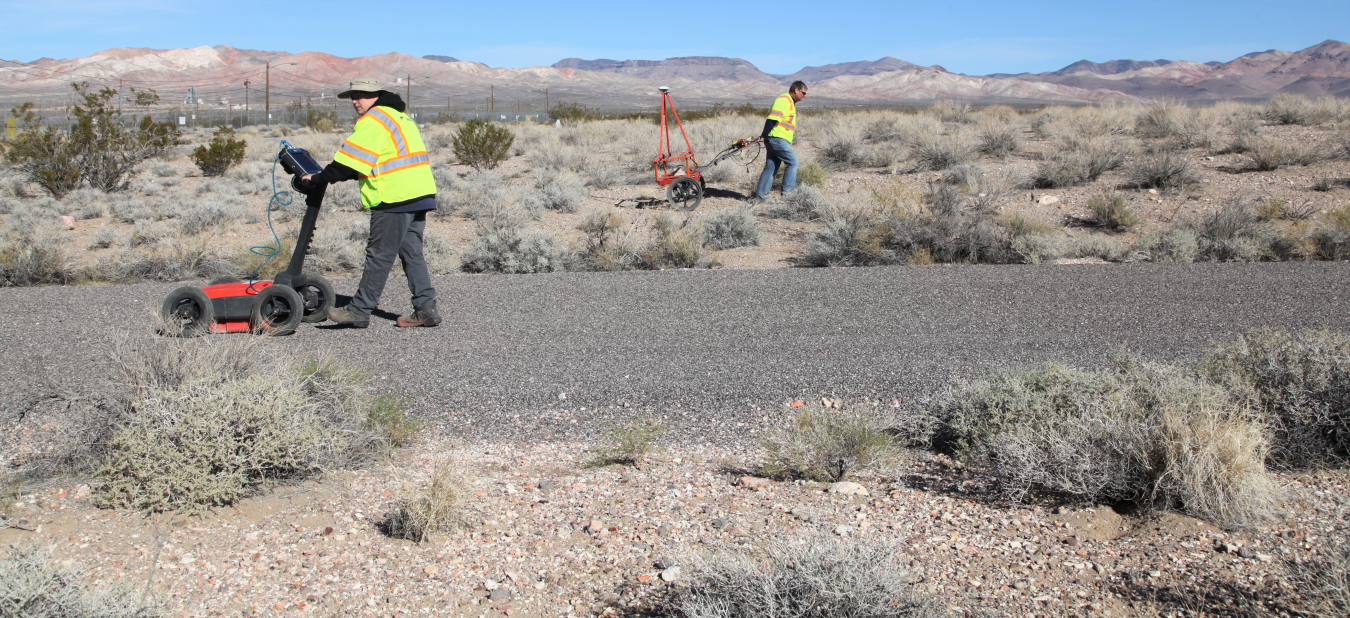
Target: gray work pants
(393, 234)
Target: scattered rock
(848, 488)
(1020, 584)
(803, 514)
(491, 585)
(844, 530)
(671, 574)
(499, 594)
(68, 221)
(754, 482)
(595, 526)
(719, 523)
(665, 562)
(664, 529)
(430, 569)
(1048, 200)
(546, 485)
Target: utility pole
(267, 96)
(245, 104)
(196, 107)
(492, 97)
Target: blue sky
(975, 37)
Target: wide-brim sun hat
(361, 85)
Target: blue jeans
(777, 150)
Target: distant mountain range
(217, 75)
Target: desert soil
(547, 534)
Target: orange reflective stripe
(776, 113)
(391, 125)
(359, 153)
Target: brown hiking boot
(344, 317)
(426, 316)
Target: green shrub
(629, 443)
(99, 148)
(1233, 234)
(1147, 434)
(481, 144)
(220, 154)
(812, 174)
(825, 445)
(389, 413)
(1301, 381)
(322, 121)
(802, 577)
(1108, 210)
(34, 585)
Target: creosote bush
(99, 148)
(220, 154)
(825, 445)
(482, 145)
(812, 174)
(505, 246)
(1322, 582)
(801, 577)
(34, 585)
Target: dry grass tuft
(630, 443)
(826, 445)
(801, 577)
(34, 585)
(432, 505)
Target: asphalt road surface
(715, 352)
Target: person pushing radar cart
(779, 128)
(386, 154)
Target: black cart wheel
(684, 194)
(277, 310)
(225, 279)
(187, 312)
(317, 293)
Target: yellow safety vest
(785, 112)
(387, 152)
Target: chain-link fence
(291, 116)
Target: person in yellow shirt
(386, 154)
(779, 128)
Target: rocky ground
(545, 534)
(614, 149)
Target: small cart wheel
(187, 312)
(317, 293)
(685, 193)
(277, 311)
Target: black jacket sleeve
(769, 124)
(335, 172)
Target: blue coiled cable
(280, 198)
